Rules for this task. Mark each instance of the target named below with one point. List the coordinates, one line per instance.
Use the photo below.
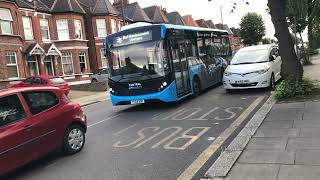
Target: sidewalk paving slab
(299, 172)
(307, 124)
(267, 157)
(308, 157)
(277, 124)
(277, 132)
(253, 172)
(303, 143)
(267, 143)
(309, 132)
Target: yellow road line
(206, 154)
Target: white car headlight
(226, 73)
(261, 71)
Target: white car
(253, 67)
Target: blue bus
(163, 62)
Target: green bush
(291, 89)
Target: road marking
(123, 130)
(206, 154)
(104, 120)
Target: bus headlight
(164, 84)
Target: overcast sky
(202, 9)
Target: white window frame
(102, 58)
(113, 26)
(46, 21)
(78, 28)
(83, 54)
(102, 27)
(27, 36)
(10, 20)
(59, 29)
(62, 63)
(12, 64)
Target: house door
(48, 65)
(33, 65)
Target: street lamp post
(221, 14)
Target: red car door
(14, 136)
(45, 121)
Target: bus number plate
(137, 102)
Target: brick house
(132, 11)
(175, 18)
(42, 37)
(188, 19)
(211, 24)
(202, 23)
(101, 19)
(156, 14)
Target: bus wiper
(244, 63)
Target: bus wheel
(196, 87)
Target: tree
(252, 28)
(291, 66)
(266, 41)
(313, 15)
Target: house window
(5, 21)
(67, 65)
(101, 27)
(78, 29)
(44, 27)
(104, 60)
(12, 65)
(82, 61)
(27, 28)
(113, 26)
(63, 29)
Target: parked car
(101, 76)
(35, 122)
(253, 67)
(39, 81)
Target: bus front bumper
(169, 94)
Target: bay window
(12, 65)
(101, 27)
(63, 29)
(67, 64)
(6, 21)
(78, 29)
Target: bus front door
(181, 69)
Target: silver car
(101, 76)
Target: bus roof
(164, 27)
(180, 27)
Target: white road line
(123, 130)
(94, 124)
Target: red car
(35, 122)
(44, 80)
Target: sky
(202, 9)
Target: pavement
(313, 71)
(285, 147)
(85, 98)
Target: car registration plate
(137, 102)
(242, 82)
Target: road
(158, 141)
